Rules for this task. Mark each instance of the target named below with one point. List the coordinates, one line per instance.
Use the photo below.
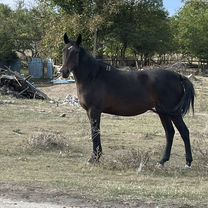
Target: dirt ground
(60, 91)
(14, 196)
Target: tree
(6, 42)
(142, 26)
(19, 31)
(192, 33)
(123, 28)
(89, 17)
(152, 30)
(26, 27)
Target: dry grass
(127, 159)
(40, 148)
(48, 141)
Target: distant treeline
(140, 29)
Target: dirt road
(8, 203)
(15, 196)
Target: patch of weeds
(200, 152)
(143, 162)
(131, 159)
(48, 141)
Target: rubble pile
(15, 84)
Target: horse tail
(187, 101)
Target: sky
(171, 5)
(13, 3)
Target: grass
(38, 147)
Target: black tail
(185, 103)
(189, 95)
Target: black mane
(93, 65)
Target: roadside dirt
(14, 196)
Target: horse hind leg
(169, 132)
(184, 132)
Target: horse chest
(84, 99)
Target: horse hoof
(93, 160)
(188, 167)
(159, 166)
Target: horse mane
(93, 65)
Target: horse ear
(79, 40)
(66, 39)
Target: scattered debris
(74, 101)
(62, 81)
(13, 83)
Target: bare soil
(29, 196)
(59, 91)
(15, 196)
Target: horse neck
(86, 69)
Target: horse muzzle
(64, 72)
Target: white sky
(171, 5)
(13, 3)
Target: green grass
(126, 142)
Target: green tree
(143, 26)
(20, 30)
(192, 32)
(6, 41)
(89, 17)
(113, 26)
(152, 30)
(27, 30)
(123, 28)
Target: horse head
(70, 55)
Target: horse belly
(123, 113)
(128, 109)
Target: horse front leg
(94, 117)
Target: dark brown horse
(101, 88)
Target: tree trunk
(95, 44)
(123, 52)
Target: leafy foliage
(6, 44)
(19, 31)
(192, 24)
(110, 28)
